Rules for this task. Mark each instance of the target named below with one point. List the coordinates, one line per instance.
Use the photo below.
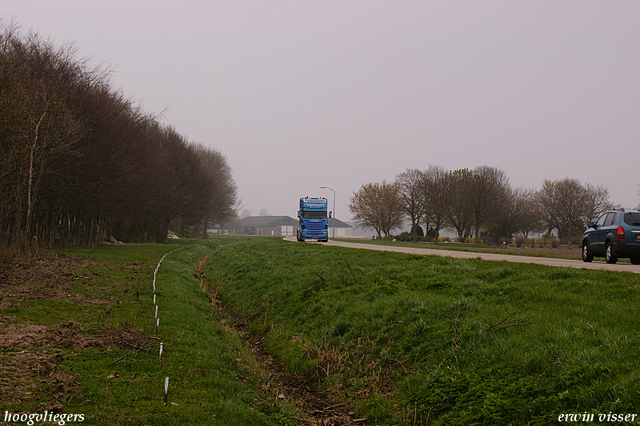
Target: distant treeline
(478, 202)
(81, 163)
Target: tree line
(81, 163)
(479, 203)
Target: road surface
(566, 263)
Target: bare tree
(460, 215)
(563, 204)
(377, 206)
(525, 211)
(518, 213)
(597, 201)
(44, 123)
(410, 184)
(437, 192)
(489, 189)
(80, 162)
(223, 192)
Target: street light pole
(334, 208)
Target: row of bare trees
(80, 162)
(476, 202)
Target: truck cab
(313, 221)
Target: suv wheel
(635, 260)
(586, 255)
(608, 254)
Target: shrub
(405, 236)
(520, 241)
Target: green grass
(439, 340)
(213, 378)
(470, 247)
(399, 339)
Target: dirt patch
(78, 336)
(54, 276)
(26, 376)
(17, 336)
(30, 353)
(42, 277)
(320, 408)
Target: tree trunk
(30, 184)
(205, 235)
(163, 230)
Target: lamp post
(334, 208)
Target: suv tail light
(620, 232)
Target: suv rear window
(632, 219)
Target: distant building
(342, 229)
(218, 228)
(283, 225)
(267, 225)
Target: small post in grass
(157, 324)
(160, 356)
(156, 316)
(166, 389)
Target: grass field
(428, 340)
(84, 341)
(396, 339)
(561, 252)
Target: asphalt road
(566, 263)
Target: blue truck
(313, 221)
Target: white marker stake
(157, 325)
(166, 389)
(156, 312)
(154, 298)
(160, 358)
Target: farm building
(342, 229)
(267, 225)
(218, 228)
(284, 225)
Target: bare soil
(29, 353)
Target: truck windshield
(314, 214)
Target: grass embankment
(83, 341)
(406, 339)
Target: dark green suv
(616, 234)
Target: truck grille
(315, 226)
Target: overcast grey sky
(303, 94)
